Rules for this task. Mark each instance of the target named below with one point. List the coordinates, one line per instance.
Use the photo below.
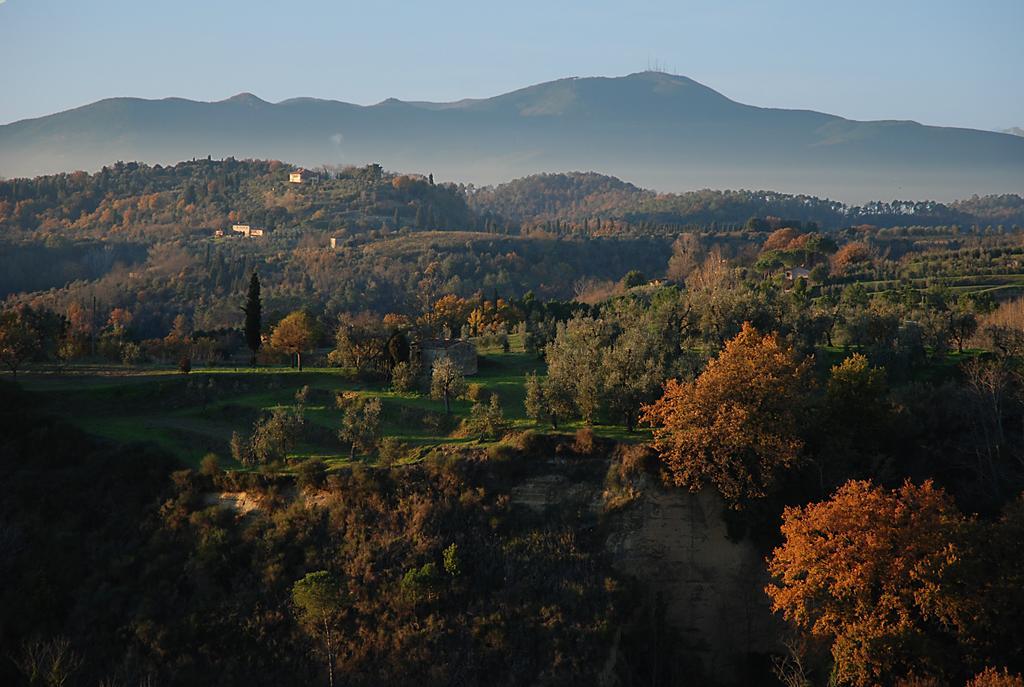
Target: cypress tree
(253, 317)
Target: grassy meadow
(195, 414)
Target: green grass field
(195, 414)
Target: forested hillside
(366, 239)
(589, 201)
(562, 431)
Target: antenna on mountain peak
(656, 66)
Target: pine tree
(253, 317)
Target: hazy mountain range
(658, 130)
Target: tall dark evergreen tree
(253, 316)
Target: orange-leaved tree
(855, 569)
(737, 425)
(990, 677)
(294, 334)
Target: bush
(452, 564)
(241, 449)
(584, 442)
(420, 583)
(475, 392)
(311, 474)
(438, 423)
(620, 489)
(184, 365)
(990, 677)
(527, 441)
(634, 459)
(403, 377)
(391, 451)
(209, 465)
(486, 421)
(500, 452)
(131, 353)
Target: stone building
(461, 351)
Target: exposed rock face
(674, 543)
(545, 491)
(239, 502)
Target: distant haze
(948, 63)
(657, 130)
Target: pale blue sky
(934, 61)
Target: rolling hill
(657, 130)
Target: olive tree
(447, 381)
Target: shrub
(241, 449)
(209, 465)
(420, 583)
(184, 365)
(403, 377)
(311, 474)
(391, 451)
(475, 392)
(634, 459)
(990, 677)
(527, 441)
(584, 443)
(486, 421)
(530, 344)
(438, 423)
(131, 353)
(452, 564)
(500, 452)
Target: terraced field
(195, 414)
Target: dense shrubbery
(817, 369)
(438, 580)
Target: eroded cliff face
(673, 543)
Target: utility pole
(92, 329)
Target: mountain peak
(246, 98)
(660, 130)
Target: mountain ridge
(659, 130)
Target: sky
(942, 62)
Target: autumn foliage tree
(294, 334)
(979, 594)
(990, 677)
(853, 253)
(737, 425)
(854, 570)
